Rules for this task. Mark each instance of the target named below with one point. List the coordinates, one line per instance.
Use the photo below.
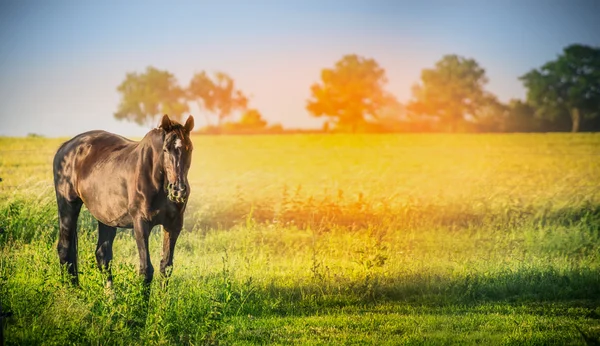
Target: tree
(521, 117)
(350, 92)
(201, 90)
(252, 119)
(217, 95)
(452, 91)
(392, 117)
(568, 85)
(147, 96)
(492, 116)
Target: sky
(61, 61)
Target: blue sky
(61, 61)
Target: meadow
(328, 239)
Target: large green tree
(217, 95)
(350, 92)
(147, 96)
(452, 91)
(570, 84)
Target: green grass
(371, 239)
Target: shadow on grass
(577, 288)
(200, 308)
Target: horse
(125, 184)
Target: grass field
(329, 239)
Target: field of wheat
(328, 239)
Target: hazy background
(61, 61)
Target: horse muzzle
(177, 192)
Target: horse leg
(68, 213)
(142, 230)
(170, 236)
(104, 253)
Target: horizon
(62, 62)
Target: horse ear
(165, 123)
(189, 124)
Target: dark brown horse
(124, 184)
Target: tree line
(561, 95)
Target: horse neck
(151, 151)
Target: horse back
(76, 157)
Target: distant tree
(521, 117)
(276, 128)
(252, 119)
(492, 116)
(392, 117)
(350, 92)
(217, 95)
(34, 135)
(201, 90)
(568, 85)
(147, 96)
(452, 91)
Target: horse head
(176, 157)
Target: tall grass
(329, 239)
